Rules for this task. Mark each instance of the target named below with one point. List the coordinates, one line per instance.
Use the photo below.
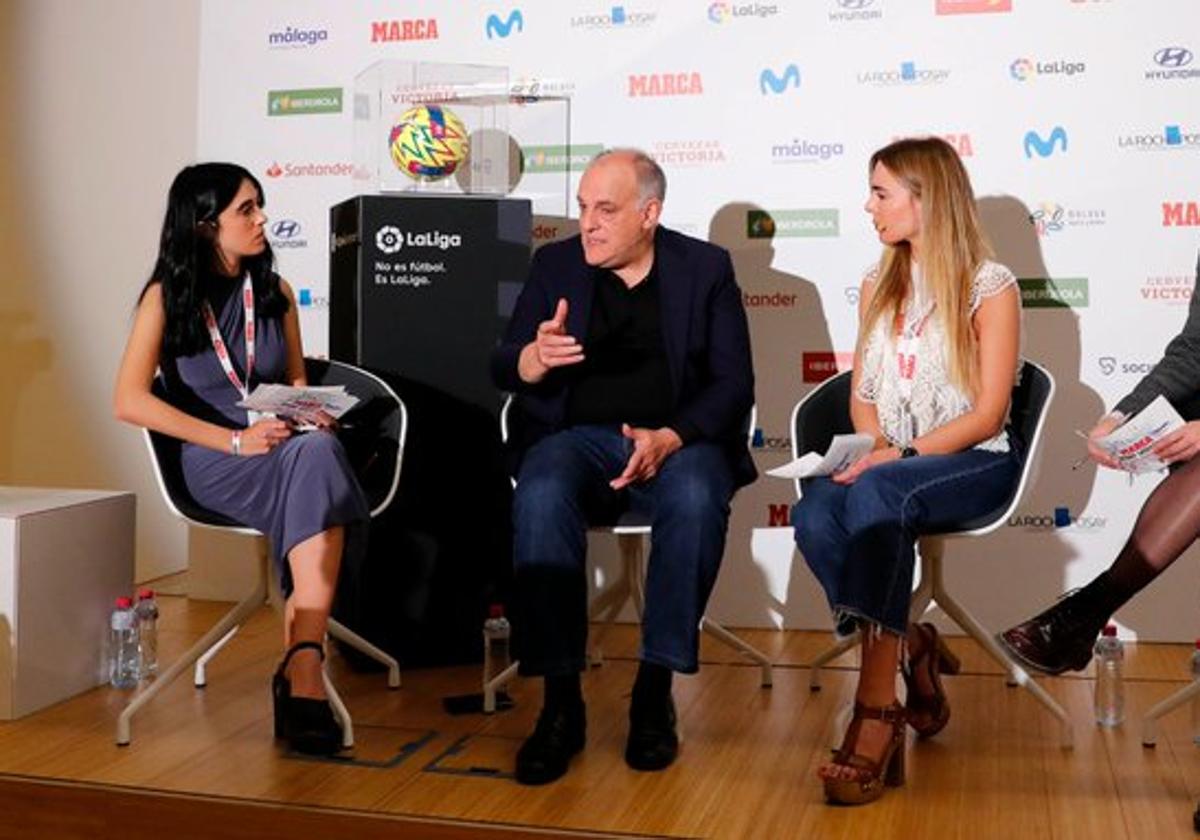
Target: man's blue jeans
(859, 539)
(562, 486)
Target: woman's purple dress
(298, 489)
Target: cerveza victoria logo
(1173, 64)
(296, 37)
(721, 12)
(666, 84)
(499, 26)
(409, 29)
(771, 82)
(849, 10)
(1054, 292)
(803, 150)
(1173, 138)
(1025, 69)
(908, 73)
(1060, 519)
(1168, 289)
(286, 233)
(1050, 217)
(768, 224)
(284, 103)
(617, 17)
(687, 152)
(1035, 143)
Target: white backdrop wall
(1077, 119)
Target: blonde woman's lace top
(907, 376)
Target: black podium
(420, 289)
(421, 286)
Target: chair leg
(339, 711)
(347, 636)
(734, 641)
(490, 687)
(1163, 707)
(837, 649)
(232, 619)
(200, 676)
(609, 602)
(932, 562)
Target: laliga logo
(389, 239)
(719, 12)
(1021, 69)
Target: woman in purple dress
(216, 321)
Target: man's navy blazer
(704, 334)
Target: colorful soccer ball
(428, 142)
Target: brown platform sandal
(870, 776)
(928, 714)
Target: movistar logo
(497, 28)
(1045, 147)
(768, 82)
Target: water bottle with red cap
(147, 616)
(123, 645)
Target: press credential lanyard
(218, 343)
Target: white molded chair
(631, 532)
(379, 424)
(825, 411)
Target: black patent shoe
(306, 723)
(1058, 639)
(559, 734)
(653, 743)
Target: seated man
(629, 356)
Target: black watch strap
(908, 452)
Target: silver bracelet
(236, 442)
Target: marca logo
(779, 516)
(1181, 214)
(767, 224)
(970, 7)
(960, 142)
(1060, 519)
(1024, 69)
(760, 440)
(411, 29)
(1045, 147)
(1054, 292)
(285, 233)
(1050, 217)
(294, 38)
(574, 158)
(687, 152)
(308, 170)
(1110, 365)
(820, 365)
(805, 151)
(618, 17)
(848, 10)
(283, 103)
(1173, 63)
(497, 28)
(666, 84)
(722, 12)
(769, 300)
(907, 74)
(1168, 289)
(768, 82)
(1172, 139)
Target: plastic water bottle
(123, 646)
(496, 631)
(1196, 700)
(1110, 689)
(147, 621)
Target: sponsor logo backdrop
(763, 115)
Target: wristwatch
(909, 452)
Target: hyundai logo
(855, 4)
(285, 229)
(1173, 57)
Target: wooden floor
(203, 763)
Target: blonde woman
(937, 357)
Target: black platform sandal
(307, 724)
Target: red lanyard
(218, 343)
(906, 348)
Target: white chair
(631, 531)
(825, 411)
(379, 424)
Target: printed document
(843, 451)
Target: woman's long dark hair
(187, 254)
